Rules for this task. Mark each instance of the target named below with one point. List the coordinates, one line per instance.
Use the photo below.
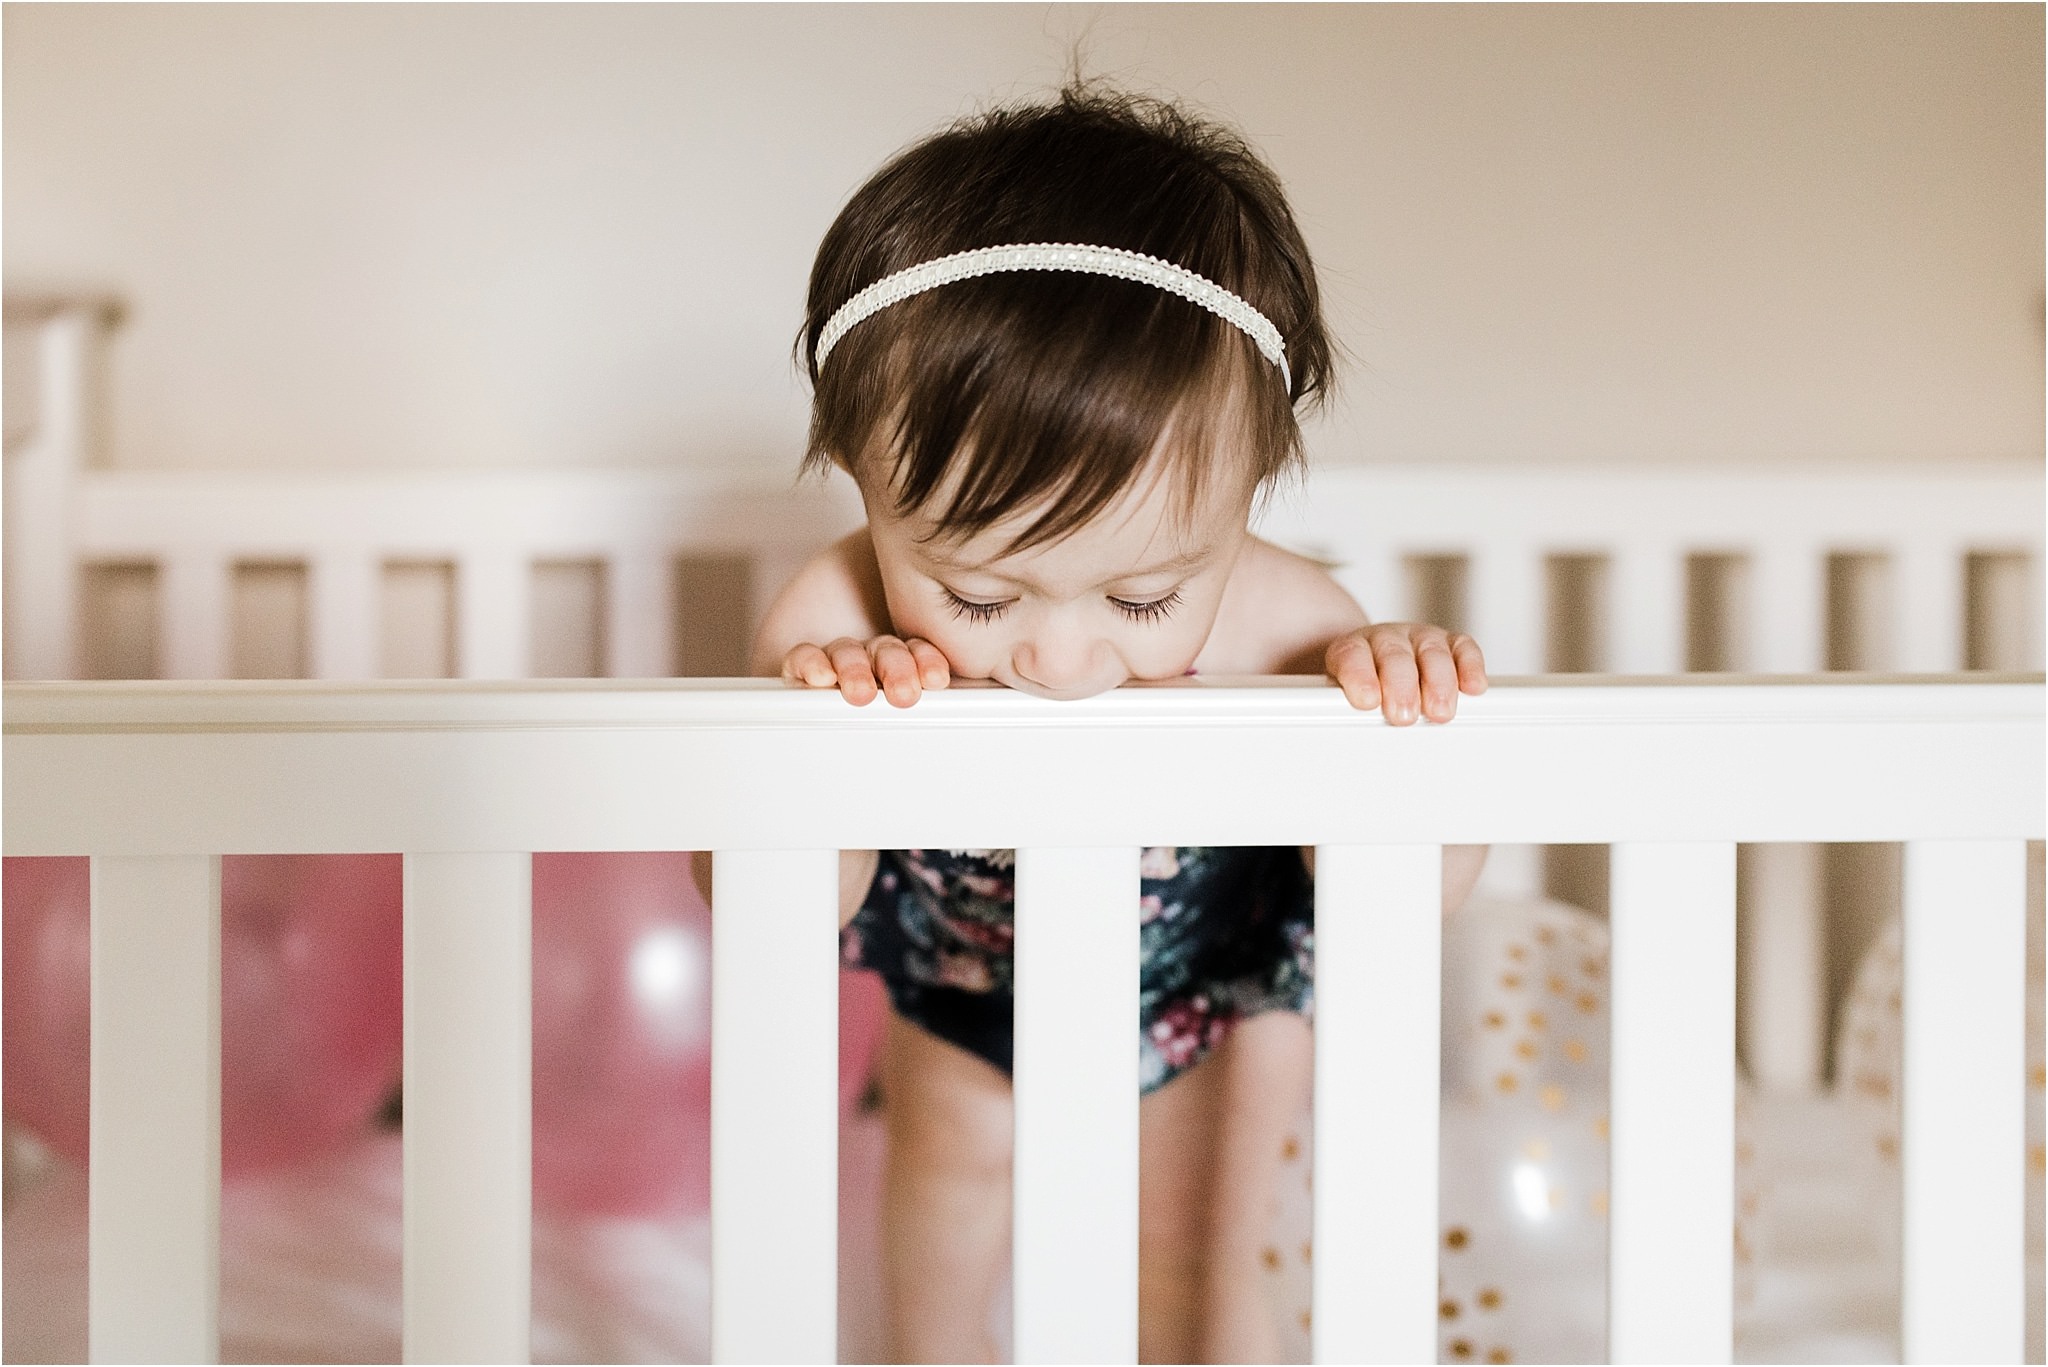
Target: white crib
(1767, 572)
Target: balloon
(312, 1011)
(45, 1019)
(311, 1002)
(622, 1035)
(863, 1013)
(1867, 1078)
(1523, 1145)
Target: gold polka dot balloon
(1522, 1265)
(1525, 1002)
(1523, 1196)
(1868, 1084)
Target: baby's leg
(1211, 1143)
(945, 1196)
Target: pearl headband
(1058, 256)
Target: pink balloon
(311, 1002)
(312, 1010)
(622, 1035)
(45, 1020)
(863, 1011)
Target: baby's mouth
(1038, 690)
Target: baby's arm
(830, 629)
(837, 598)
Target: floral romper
(1224, 933)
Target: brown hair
(1048, 388)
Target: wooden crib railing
(155, 781)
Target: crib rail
(155, 781)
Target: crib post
(1075, 1184)
(41, 577)
(1379, 946)
(1962, 1071)
(468, 1107)
(1671, 1286)
(153, 1184)
(774, 1106)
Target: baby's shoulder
(1279, 612)
(838, 592)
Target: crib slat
(493, 590)
(1647, 600)
(774, 1106)
(1784, 967)
(1375, 578)
(1672, 1174)
(1075, 1248)
(1786, 610)
(468, 1107)
(1927, 610)
(343, 632)
(193, 588)
(153, 1196)
(638, 619)
(1375, 1275)
(1504, 611)
(1962, 1073)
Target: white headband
(1058, 256)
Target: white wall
(537, 235)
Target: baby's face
(1131, 594)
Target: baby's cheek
(1164, 657)
(967, 659)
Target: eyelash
(972, 611)
(1156, 610)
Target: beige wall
(472, 235)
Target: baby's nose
(1059, 663)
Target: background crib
(1768, 572)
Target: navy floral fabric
(1224, 933)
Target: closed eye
(1156, 610)
(969, 610)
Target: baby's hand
(1396, 665)
(904, 668)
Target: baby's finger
(1393, 655)
(1349, 661)
(1439, 673)
(851, 665)
(933, 671)
(1471, 664)
(896, 669)
(807, 665)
